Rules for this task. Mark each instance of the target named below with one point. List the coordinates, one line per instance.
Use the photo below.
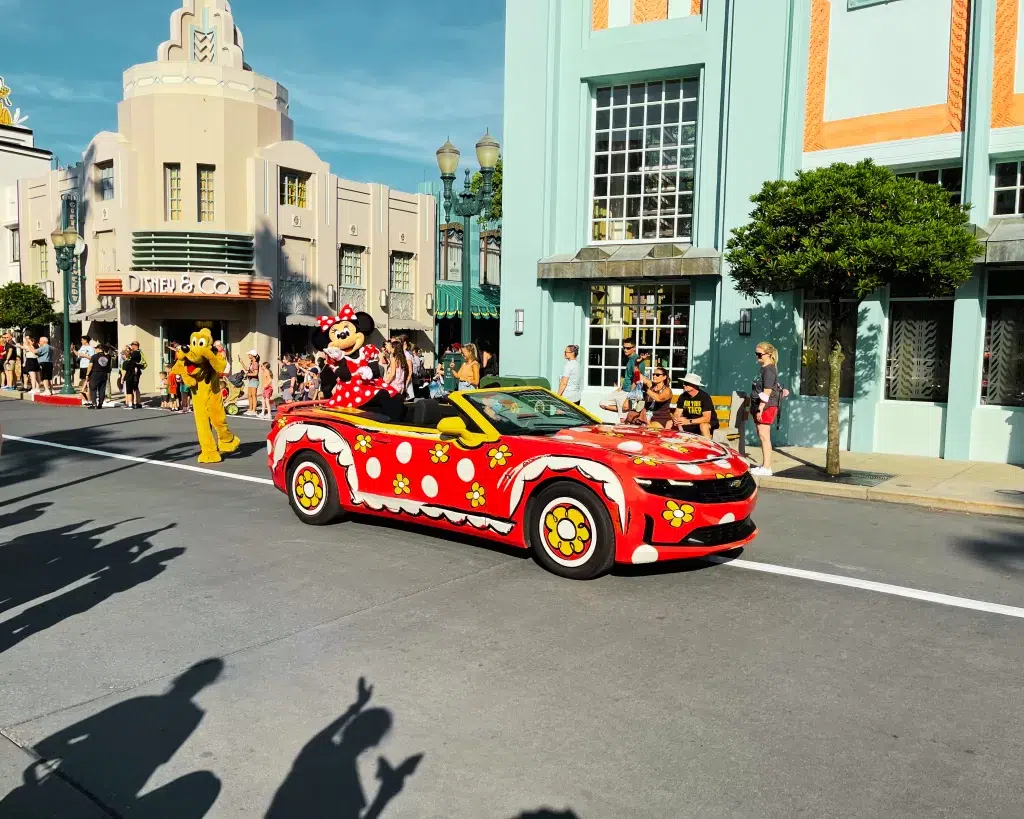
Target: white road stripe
(135, 459)
(768, 568)
(871, 585)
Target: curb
(884, 495)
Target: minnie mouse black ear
(365, 324)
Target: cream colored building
(19, 157)
(203, 211)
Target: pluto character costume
(200, 368)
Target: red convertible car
(523, 467)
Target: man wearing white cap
(695, 411)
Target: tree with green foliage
(494, 211)
(844, 231)
(24, 305)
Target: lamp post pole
(64, 242)
(466, 205)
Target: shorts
(252, 383)
(46, 370)
(9, 366)
(767, 416)
(268, 392)
(131, 384)
(82, 371)
(31, 365)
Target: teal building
(636, 132)
(485, 273)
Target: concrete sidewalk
(49, 796)
(962, 486)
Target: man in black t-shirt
(99, 374)
(695, 411)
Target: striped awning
(485, 302)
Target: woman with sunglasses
(765, 398)
(658, 403)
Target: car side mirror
(456, 428)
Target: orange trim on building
(599, 15)
(649, 11)
(1005, 102)
(910, 123)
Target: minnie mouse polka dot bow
(345, 314)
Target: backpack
(142, 360)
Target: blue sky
(376, 85)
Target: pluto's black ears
(321, 340)
(364, 324)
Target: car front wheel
(312, 490)
(570, 531)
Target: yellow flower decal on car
(309, 489)
(677, 513)
(401, 484)
(439, 454)
(364, 443)
(568, 530)
(476, 496)
(677, 448)
(643, 460)
(720, 476)
(499, 456)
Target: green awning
(485, 303)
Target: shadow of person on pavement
(113, 754)
(548, 813)
(1002, 549)
(26, 514)
(324, 780)
(110, 577)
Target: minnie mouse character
(352, 375)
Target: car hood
(663, 446)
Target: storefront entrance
(181, 330)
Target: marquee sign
(185, 285)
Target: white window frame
(172, 192)
(15, 237)
(207, 215)
(1019, 188)
(294, 188)
(404, 283)
(941, 171)
(106, 180)
(592, 154)
(354, 254)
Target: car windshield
(528, 412)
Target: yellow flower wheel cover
(309, 489)
(568, 530)
(677, 513)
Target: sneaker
(761, 472)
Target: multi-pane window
(15, 245)
(106, 180)
(1008, 196)
(490, 258)
(351, 266)
(401, 273)
(42, 265)
(207, 193)
(451, 262)
(645, 145)
(294, 188)
(952, 179)
(172, 192)
(920, 340)
(655, 316)
(1002, 381)
(814, 370)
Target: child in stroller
(231, 388)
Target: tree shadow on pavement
(324, 781)
(111, 755)
(26, 514)
(1000, 549)
(41, 563)
(548, 813)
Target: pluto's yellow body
(200, 369)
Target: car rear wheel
(570, 531)
(312, 490)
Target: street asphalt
(188, 648)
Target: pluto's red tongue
(191, 369)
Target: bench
(732, 414)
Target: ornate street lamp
(65, 245)
(467, 205)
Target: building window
(814, 371)
(920, 340)
(351, 265)
(106, 171)
(645, 143)
(952, 179)
(207, 193)
(401, 272)
(451, 266)
(172, 193)
(42, 260)
(655, 316)
(1002, 380)
(1007, 199)
(294, 188)
(490, 258)
(15, 245)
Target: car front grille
(719, 490)
(721, 534)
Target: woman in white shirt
(570, 386)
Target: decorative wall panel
(920, 338)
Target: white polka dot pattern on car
(466, 470)
(645, 554)
(631, 446)
(691, 469)
(728, 518)
(404, 452)
(429, 486)
(373, 468)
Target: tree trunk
(835, 364)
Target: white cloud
(58, 89)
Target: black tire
(321, 509)
(564, 504)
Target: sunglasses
(759, 355)
(661, 375)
